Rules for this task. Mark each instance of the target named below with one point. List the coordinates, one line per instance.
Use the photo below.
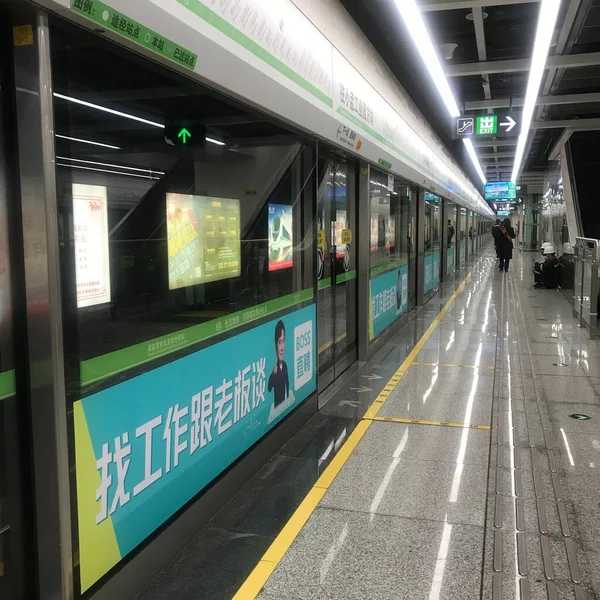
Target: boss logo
(303, 340)
(303, 354)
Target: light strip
(103, 164)
(108, 110)
(543, 38)
(213, 141)
(74, 139)
(416, 27)
(411, 15)
(473, 155)
(106, 171)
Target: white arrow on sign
(372, 377)
(352, 403)
(509, 124)
(361, 390)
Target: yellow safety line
(433, 364)
(332, 342)
(427, 422)
(276, 551)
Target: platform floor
(447, 467)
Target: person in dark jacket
(496, 232)
(450, 233)
(567, 267)
(547, 274)
(504, 244)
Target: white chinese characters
(168, 438)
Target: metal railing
(585, 289)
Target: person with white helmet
(567, 267)
(547, 274)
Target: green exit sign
(487, 125)
(185, 133)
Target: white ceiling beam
(436, 5)
(560, 143)
(496, 155)
(479, 33)
(501, 165)
(519, 65)
(555, 73)
(567, 26)
(477, 13)
(492, 143)
(574, 124)
(561, 100)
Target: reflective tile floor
(509, 509)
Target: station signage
(184, 133)
(500, 125)
(500, 190)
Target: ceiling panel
(509, 32)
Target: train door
(336, 266)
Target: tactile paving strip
(528, 534)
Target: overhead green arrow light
(184, 134)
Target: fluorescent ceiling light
(415, 25)
(543, 38)
(108, 110)
(103, 164)
(471, 151)
(74, 139)
(106, 171)
(213, 141)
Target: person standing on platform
(450, 233)
(496, 233)
(504, 244)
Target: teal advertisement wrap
(389, 299)
(428, 275)
(451, 261)
(147, 446)
(432, 271)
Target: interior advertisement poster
(147, 446)
(390, 232)
(203, 236)
(389, 299)
(340, 224)
(90, 225)
(374, 237)
(281, 239)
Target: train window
(182, 215)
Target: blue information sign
(501, 190)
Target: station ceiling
(486, 49)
